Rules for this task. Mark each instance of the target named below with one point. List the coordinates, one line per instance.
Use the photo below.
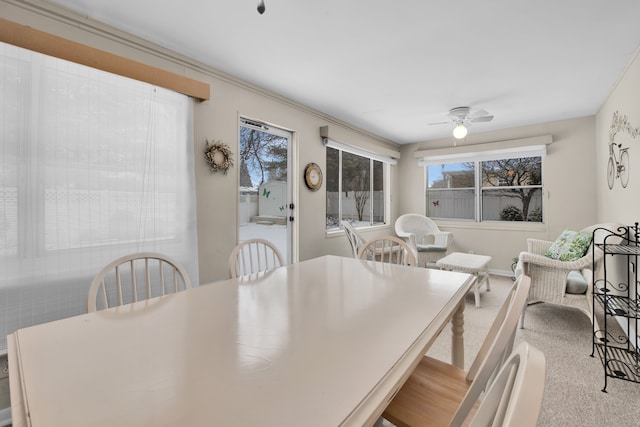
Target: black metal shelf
(619, 249)
(617, 305)
(617, 350)
(619, 363)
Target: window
(93, 166)
(500, 189)
(355, 189)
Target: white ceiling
(393, 67)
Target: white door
(266, 208)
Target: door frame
(292, 183)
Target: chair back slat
(117, 283)
(355, 241)
(254, 256)
(388, 249)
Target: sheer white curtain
(93, 166)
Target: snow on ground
(275, 233)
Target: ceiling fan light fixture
(460, 131)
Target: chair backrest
(419, 225)
(254, 256)
(614, 233)
(496, 346)
(514, 399)
(355, 240)
(136, 277)
(388, 249)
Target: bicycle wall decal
(618, 164)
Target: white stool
(468, 263)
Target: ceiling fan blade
(478, 113)
(482, 119)
(439, 123)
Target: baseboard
(505, 273)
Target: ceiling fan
(462, 117)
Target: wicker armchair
(424, 236)
(549, 276)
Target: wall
(217, 119)
(569, 180)
(620, 204)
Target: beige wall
(569, 180)
(620, 204)
(569, 166)
(217, 119)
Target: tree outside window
(512, 189)
(355, 189)
(504, 189)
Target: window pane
(333, 187)
(378, 193)
(92, 166)
(510, 204)
(451, 191)
(356, 188)
(14, 75)
(512, 189)
(512, 172)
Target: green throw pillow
(569, 246)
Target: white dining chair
(388, 249)
(441, 394)
(355, 240)
(514, 398)
(136, 277)
(254, 256)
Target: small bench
(468, 263)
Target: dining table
(323, 342)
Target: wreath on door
(218, 156)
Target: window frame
(386, 163)
(479, 189)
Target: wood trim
(48, 44)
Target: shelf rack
(616, 347)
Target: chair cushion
(430, 248)
(569, 246)
(576, 283)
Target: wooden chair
(136, 277)
(388, 249)
(440, 394)
(355, 240)
(254, 256)
(515, 396)
(424, 236)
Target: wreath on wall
(218, 156)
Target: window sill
(493, 225)
(337, 232)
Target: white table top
(324, 342)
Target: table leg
(476, 290)
(457, 336)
